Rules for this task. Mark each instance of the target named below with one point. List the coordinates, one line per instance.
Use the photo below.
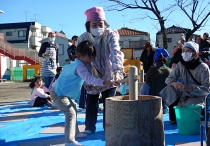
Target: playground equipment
(35, 67)
(134, 120)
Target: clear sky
(68, 15)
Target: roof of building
(61, 34)
(127, 31)
(16, 26)
(175, 29)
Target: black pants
(172, 115)
(92, 108)
(82, 100)
(41, 101)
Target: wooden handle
(136, 77)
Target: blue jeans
(47, 81)
(92, 108)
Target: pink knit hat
(95, 13)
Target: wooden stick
(133, 84)
(136, 77)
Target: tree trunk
(163, 31)
(189, 34)
(134, 122)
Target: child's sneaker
(73, 143)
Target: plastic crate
(16, 73)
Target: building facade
(173, 35)
(25, 34)
(132, 42)
(27, 37)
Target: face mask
(52, 39)
(187, 56)
(97, 31)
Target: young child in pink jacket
(40, 94)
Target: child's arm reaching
(82, 71)
(41, 93)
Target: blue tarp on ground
(14, 133)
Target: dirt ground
(14, 91)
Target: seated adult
(194, 85)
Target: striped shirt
(49, 65)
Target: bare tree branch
(148, 5)
(195, 14)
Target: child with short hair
(40, 94)
(68, 86)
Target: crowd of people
(96, 64)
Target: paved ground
(14, 91)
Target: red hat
(95, 13)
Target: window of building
(61, 49)
(21, 33)
(9, 33)
(169, 40)
(121, 44)
(137, 44)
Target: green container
(16, 74)
(30, 73)
(188, 121)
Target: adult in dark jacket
(147, 56)
(72, 49)
(49, 52)
(204, 48)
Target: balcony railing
(27, 54)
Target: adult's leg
(47, 82)
(82, 100)
(66, 105)
(172, 115)
(50, 80)
(40, 102)
(105, 94)
(91, 112)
